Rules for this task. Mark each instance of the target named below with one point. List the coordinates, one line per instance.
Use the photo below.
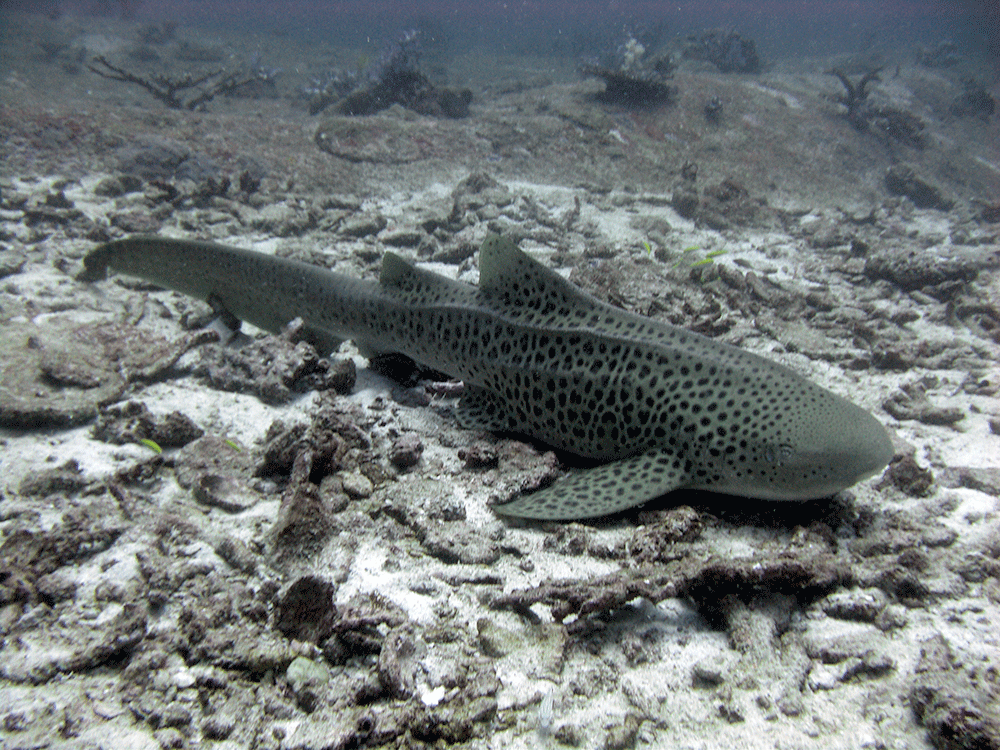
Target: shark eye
(778, 454)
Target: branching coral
(394, 78)
(631, 78)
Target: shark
(653, 407)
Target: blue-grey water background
(781, 28)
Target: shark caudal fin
(602, 490)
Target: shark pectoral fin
(224, 317)
(603, 490)
(480, 409)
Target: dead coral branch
(167, 89)
(856, 96)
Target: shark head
(801, 443)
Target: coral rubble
(728, 50)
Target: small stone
(892, 617)
(406, 452)
(363, 226)
(113, 187)
(302, 672)
(306, 611)
(236, 552)
(569, 735)
(356, 485)
(479, 457)
(169, 738)
(184, 679)
(872, 664)
(403, 238)
(710, 672)
(218, 726)
(623, 736)
(138, 222)
(823, 677)
(228, 493)
(859, 605)
(938, 535)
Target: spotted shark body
(661, 408)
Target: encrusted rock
(398, 661)
(912, 269)
(308, 679)
(305, 521)
(217, 471)
(908, 476)
(901, 179)
(378, 139)
(403, 238)
(275, 368)
(956, 709)
(363, 226)
(59, 373)
(479, 457)
(165, 159)
(911, 402)
(863, 605)
(457, 543)
(66, 478)
(132, 421)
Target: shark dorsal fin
(428, 287)
(507, 271)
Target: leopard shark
(657, 408)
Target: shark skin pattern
(662, 408)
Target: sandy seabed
(256, 547)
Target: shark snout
(854, 447)
(873, 449)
